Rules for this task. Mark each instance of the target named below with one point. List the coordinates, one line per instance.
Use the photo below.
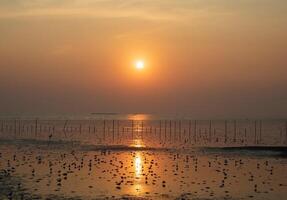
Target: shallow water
(61, 170)
(142, 158)
(142, 131)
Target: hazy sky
(207, 58)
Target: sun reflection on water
(139, 117)
(138, 143)
(138, 165)
(138, 169)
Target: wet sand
(62, 171)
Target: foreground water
(62, 170)
(140, 157)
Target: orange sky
(206, 58)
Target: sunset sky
(206, 58)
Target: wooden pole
(195, 129)
(170, 131)
(36, 127)
(142, 131)
(255, 132)
(245, 135)
(160, 131)
(235, 131)
(104, 133)
(113, 131)
(225, 131)
(175, 138)
(94, 127)
(132, 129)
(164, 130)
(118, 129)
(260, 132)
(19, 127)
(179, 130)
(210, 127)
(189, 130)
(2, 126)
(15, 128)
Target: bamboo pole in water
(235, 131)
(104, 131)
(260, 131)
(94, 123)
(132, 129)
(2, 126)
(170, 131)
(175, 129)
(164, 130)
(245, 135)
(179, 124)
(36, 127)
(189, 131)
(210, 127)
(225, 131)
(19, 127)
(160, 131)
(195, 129)
(15, 128)
(255, 132)
(113, 131)
(142, 130)
(118, 130)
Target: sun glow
(139, 64)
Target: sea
(141, 156)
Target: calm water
(140, 157)
(59, 171)
(114, 129)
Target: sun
(139, 64)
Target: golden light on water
(138, 143)
(139, 117)
(137, 124)
(138, 164)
